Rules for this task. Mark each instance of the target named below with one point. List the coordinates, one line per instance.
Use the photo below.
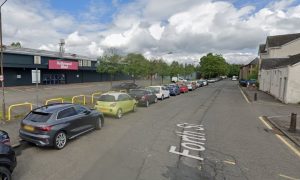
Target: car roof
(53, 108)
(155, 86)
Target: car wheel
(60, 140)
(119, 114)
(147, 104)
(5, 174)
(155, 100)
(99, 123)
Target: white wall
(293, 90)
(285, 50)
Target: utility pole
(1, 64)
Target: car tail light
(143, 98)
(113, 104)
(45, 128)
(6, 141)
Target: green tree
(152, 68)
(234, 70)
(189, 69)
(163, 69)
(16, 44)
(136, 65)
(175, 69)
(110, 64)
(213, 65)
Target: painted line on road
(244, 95)
(287, 177)
(229, 162)
(292, 148)
(265, 123)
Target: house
(279, 46)
(280, 78)
(247, 70)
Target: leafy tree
(152, 68)
(163, 69)
(16, 44)
(111, 64)
(189, 69)
(234, 69)
(213, 65)
(175, 69)
(136, 65)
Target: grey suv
(54, 124)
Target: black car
(143, 96)
(53, 125)
(126, 86)
(8, 160)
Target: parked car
(234, 78)
(178, 79)
(161, 92)
(183, 88)
(8, 159)
(173, 88)
(126, 86)
(55, 124)
(191, 86)
(143, 97)
(202, 82)
(116, 104)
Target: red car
(183, 89)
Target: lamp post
(1, 64)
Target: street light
(1, 64)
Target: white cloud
(187, 28)
(75, 39)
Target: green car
(116, 104)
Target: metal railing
(54, 99)
(75, 97)
(94, 94)
(16, 105)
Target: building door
(284, 89)
(280, 87)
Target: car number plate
(28, 128)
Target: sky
(181, 30)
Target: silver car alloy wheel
(61, 140)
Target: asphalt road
(221, 127)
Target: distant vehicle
(178, 79)
(202, 82)
(116, 104)
(126, 86)
(174, 89)
(143, 96)
(8, 159)
(246, 83)
(183, 88)
(234, 78)
(191, 86)
(53, 125)
(223, 77)
(161, 92)
(212, 80)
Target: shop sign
(58, 64)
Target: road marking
(281, 138)
(289, 145)
(266, 124)
(244, 95)
(287, 177)
(229, 162)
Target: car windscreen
(137, 92)
(156, 89)
(107, 98)
(38, 116)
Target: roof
(262, 48)
(254, 61)
(279, 40)
(280, 62)
(52, 108)
(38, 52)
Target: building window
(85, 63)
(37, 59)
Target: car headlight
(113, 104)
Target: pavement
(277, 113)
(209, 133)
